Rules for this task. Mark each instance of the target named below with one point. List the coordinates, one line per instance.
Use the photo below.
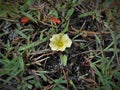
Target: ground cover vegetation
(59, 45)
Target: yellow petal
(68, 43)
(67, 40)
(53, 46)
(55, 37)
(61, 48)
(65, 37)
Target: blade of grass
(22, 34)
(33, 44)
(29, 16)
(69, 13)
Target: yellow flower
(59, 42)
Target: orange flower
(25, 20)
(55, 20)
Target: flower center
(60, 44)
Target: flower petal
(62, 48)
(56, 20)
(68, 43)
(65, 37)
(25, 20)
(54, 38)
(53, 46)
(67, 40)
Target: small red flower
(25, 20)
(55, 20)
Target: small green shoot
(64, 59)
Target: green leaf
(29, 86)
(12, 68)
(59, 87)
(87, 14)
(3, 72)
(22, 34)
(117, 75)
(66, 28)
(21, 63)
(26, 4)
(110, 45)
(96, 70)
(53, 13)
(33, 44)
(25, 47)
(71, 82)
(28, 77)
(59, 81)
(98, 39)
(64, 59)
(3, 13)
(42, 34)
(29, 16)
(69, 13)
(43, 77)
(12, 76)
